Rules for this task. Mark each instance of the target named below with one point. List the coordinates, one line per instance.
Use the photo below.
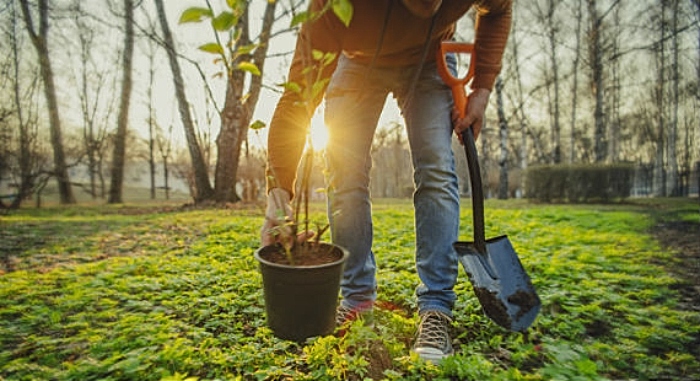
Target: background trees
(594, 81)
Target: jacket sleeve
(493, 22)
(292, 116)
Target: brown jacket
(403, 44)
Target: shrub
(579, 183)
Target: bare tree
(503, 141)
(151, 52)
(29, 166)
(91, 81)
(165, 148)
(201, 186)
(672, 140)
(578, 16)
(119, 153)
(595, 51)
(546, 15)
(39, 38)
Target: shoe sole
(432, 354)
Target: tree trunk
(151, 118)
(119, 153)
(615, 121)
(203, 190)
(672, 141)
(596, 60)
(40, 42)
(523, 149)
(503, 134)
(26, 177)
(552, 29)
(574, 90)
(660, 53)
(238, 108)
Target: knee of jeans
(435, 170)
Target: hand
(475, 114)
(279, 219)
(278, 216)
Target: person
(390, 46)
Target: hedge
(579, 183)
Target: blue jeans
(354, 101)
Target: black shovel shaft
(477, 190)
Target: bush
(579, 183)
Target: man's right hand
(278, 216)
(279, 219)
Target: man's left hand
(475, 114)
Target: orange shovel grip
(456, 84)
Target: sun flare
(319, 132)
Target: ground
(683, 238)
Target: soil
(683, 238)
(306, 254)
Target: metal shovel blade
(503, 287)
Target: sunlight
(319, 132)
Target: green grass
(138, 293)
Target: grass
(153, 293)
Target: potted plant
(301, 278)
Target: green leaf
(246, 49)
(292, 86)
(299, 18)
(249, 67)
(224, 21)
(212, 47)
(258, 125)
(194, 14)
(233, 4)
(317, 55)
(343, 10)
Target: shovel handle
(459, 94)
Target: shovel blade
(500, 282)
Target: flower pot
(301, 300)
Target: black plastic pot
(301, 301)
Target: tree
(578, 16)
(243, 61)
(239, 106)
(91, 80)
(672, 140)
(547, 16)
(39, 39)
(595, 51)
(503, 140)
(201, 186)
(151, 52)
(26, 135)
(165, 148)
(118, 155)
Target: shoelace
(344, 314)
(433, 331)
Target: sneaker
(346, 314)
(433, 342)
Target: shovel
(500, 282)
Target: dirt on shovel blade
(493, 306)
(526, 301)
